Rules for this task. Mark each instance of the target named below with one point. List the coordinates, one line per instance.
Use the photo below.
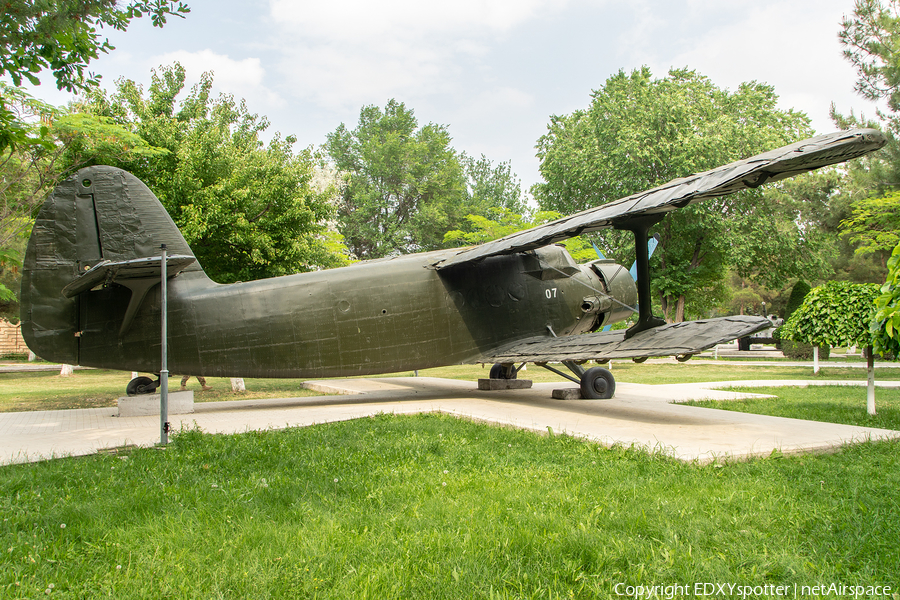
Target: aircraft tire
(598, 383)
(139, 385)
(684, 357)
(498, 372)
(639, 359)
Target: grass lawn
(92, 388)
(831, 404)
(435, 507)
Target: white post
(815, 359)
(237, 384)
(66, 370)
(135, 374)
(31, 356)
(870, 388)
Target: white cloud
(790, 45)
(354, 20)
(345, 53)
(242, 78)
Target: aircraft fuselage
(372, 317)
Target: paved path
(642, 415)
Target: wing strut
(640, 227)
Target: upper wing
(775, 165)
(688, 337)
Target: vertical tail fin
(99, 214)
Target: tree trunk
(679, 309)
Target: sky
(492, 71)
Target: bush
(802, 351)
(795, 300)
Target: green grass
(690, 372)
(435, 507)
(831, 404)
(90, 388)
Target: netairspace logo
(723, 590)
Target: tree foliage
(887, 315)
(870, 37)
(247, 209)
(404, 186)
(53, 143)
(640, 132)
(838, 313)
(874, 225)
(799, 292)
(63, 35)
(492, 187)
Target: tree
(874, 225)
(404, 186)
(870, 37)
(887, 315)
(247, 209)
(502, 222)
(491, 187)
(640, 132)
(838, 313)
(61, 35)
(53, 143)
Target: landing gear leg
(596, 383)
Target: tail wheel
(499, 371)
(684, 357)
(140, 385)
(598, 383)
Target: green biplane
(90, 293)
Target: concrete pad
(566, 394)
(639, 415)
(178, 403)
(504, 384)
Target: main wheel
(140, 385)
(499, 371)
(598, 383)
(684, 357)
(639, 359)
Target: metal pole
(164, 371)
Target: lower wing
(689, 337)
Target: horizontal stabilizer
(689, 337)
(139, 268)
(752, 172)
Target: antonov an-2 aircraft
(90, 293)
